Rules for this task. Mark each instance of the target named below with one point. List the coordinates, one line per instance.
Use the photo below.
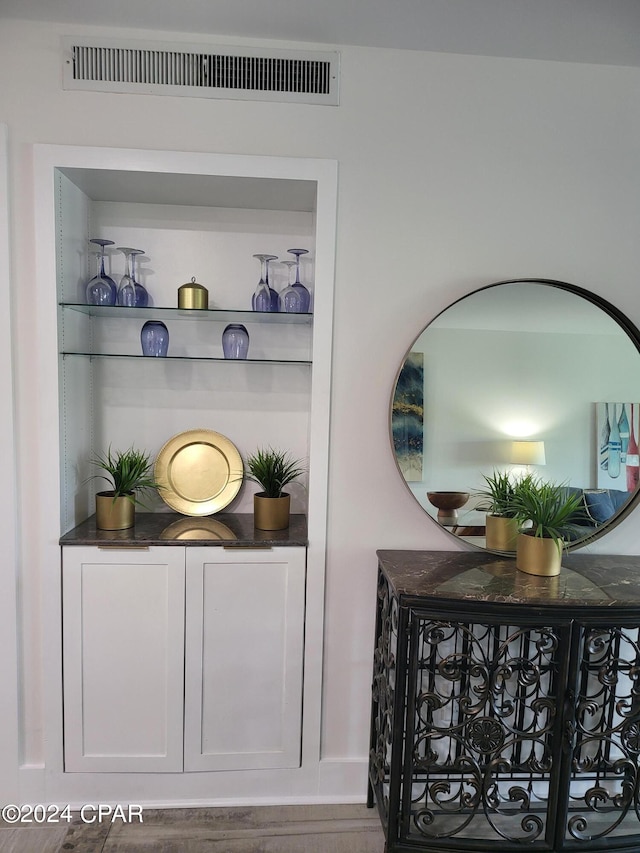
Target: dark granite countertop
(585, 580)
(171, 528)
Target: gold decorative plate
(198, 528)
(199, 472)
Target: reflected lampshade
(528, 453)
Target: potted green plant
(550, 511)
(502, 522)
(128, 472)
(273, 470)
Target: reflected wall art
(407, 417)
(617, 451)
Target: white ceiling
(595, 31)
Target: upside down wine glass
(274, 293)
(264, 278)
(131, 293)
(290, 299)
(262, 300)
(304, 293)
(101, 289)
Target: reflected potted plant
(273, 470)
(549, 511)
(502, 523)
(128, 472)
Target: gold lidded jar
(193, 295)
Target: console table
(506, 707)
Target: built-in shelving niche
(201, 226)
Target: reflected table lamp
(527, 453)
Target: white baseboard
(338, 781)
(343, 780)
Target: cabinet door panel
(244, 652)
(123, 641)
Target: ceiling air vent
(154, 68)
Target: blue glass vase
(154, 337)
(235, 341)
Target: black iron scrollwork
(383, 688)
(505, 737)
(606, 740)
(482, 750)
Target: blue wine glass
(131, 293)
(274, 293)
(101, 289)
(262, 300)
(290, 300)
(304, 293)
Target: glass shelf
(188, 358)
(208, 314)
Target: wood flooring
(264, 829)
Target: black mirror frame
(630, 329)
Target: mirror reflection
(522, 376)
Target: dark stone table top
(585, 580)
(171, 528)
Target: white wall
(454, 171)
(479, 383)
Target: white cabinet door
(123, 658)
(244, 658)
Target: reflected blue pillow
(618, 498)
(599, 506)
(579, 518)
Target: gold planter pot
(114, 513)
(538, 556)
(271, 513)
(502, 533)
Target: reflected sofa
(598, 506)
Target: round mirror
(524, 376)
